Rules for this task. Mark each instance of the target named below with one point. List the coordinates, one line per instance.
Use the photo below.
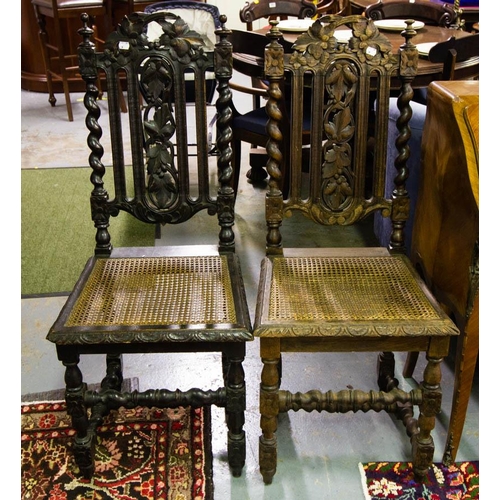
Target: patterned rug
(140, 454)
(395, 480)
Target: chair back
(339, 182)
(432, 13)
(160, 183)
(453, 51)
(334, 7)
(252, 11)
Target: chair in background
(251, 127)
(275, 9)
(433, 13)
(124, 7)
(281, 9)
(333, 7)
(59, 57)
(172, 299)
(342, 299)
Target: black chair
(159, 299)
(342, 299)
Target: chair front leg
(269, 408)
(83, 447)
(422, 442)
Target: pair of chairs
(192, 298)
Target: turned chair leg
(269, 408)
(83, 447)
(235, 411)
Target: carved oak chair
(159, 299)
(433, 13)
(343, 299)
(59, 57)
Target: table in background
(427, 71)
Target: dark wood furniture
(251, 126)
(158, 299)
(435, 14)
(275, 9)
(445, 246)
(58, 53)
(427, 71)
(342, 299)
(470, 14)
(334, 7)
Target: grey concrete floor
(319, 453)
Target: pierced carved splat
(156, 85)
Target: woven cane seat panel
(156, 291)
(346, 289)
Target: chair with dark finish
(275, 9)
(433, 13)
(366, 299)
(163, 299)
(251, 127)
(334, 7)
(59, 57)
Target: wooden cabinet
(445, 243)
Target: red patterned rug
(140, 454)
(395, 480)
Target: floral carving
(184, 44)
(341, 85)
(156, 82)
(316, 46)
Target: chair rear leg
(410, 364)
(114, 375)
